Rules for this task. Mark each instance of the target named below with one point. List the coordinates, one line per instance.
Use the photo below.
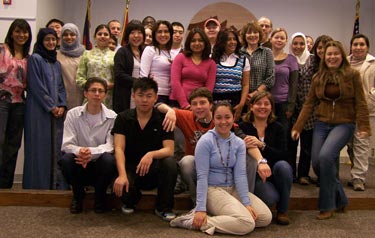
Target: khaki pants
(228, 215)
(359, 152)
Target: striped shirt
(229, 78)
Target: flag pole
(125, 22)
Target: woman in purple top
(284, 90)
(193, 68)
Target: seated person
(88, 146)
(224, 203)
(193, 125)
(144, 152)
(267, 139)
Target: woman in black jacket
(127, 66)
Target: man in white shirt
(88, 146)
(178, 37)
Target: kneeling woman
(267, 139)
(224, 203)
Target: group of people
(233, 103)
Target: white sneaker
(127, 210)
(184, 221)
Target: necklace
(169, 57)
(224, 163)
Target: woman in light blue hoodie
(224, 203)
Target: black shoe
(76, 206)
(99, 207)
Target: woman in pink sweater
(193, 68)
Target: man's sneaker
(358, 185)
(166, 215)
(127, 210)
(184, 221)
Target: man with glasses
(266, 25)
(88, 146)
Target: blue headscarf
(74, 49)
(49, 55)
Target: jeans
(11, 127)
(328, 140)
(162, 175)
(277, 190)
(98, 173)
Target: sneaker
(166, 215)
(358, 185)
(127, 210)
(184, 221)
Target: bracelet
(262, 161)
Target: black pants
(162, 175)
(98, 173)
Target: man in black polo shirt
(143, 151)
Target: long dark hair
(24, 26)
(219, 48)
(207, 45)
(154, 32)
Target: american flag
(356, 19)
(86, 29)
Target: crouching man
(88, 146)
(143, 151)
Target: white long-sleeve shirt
(78, 133)
(157, 64)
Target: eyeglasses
(95, 90)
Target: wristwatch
(262, 161)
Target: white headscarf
(305, 55)
(74, 49)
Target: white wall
(333, 17)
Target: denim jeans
(277, 190)
(328, 140)
(11, 127)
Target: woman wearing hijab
(44, 116)
(306, 69)
(69, 55)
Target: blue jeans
(277, 189)
(11, 127)
(328, 140)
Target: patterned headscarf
(305, 55)
(49, 55)
(74, 49)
